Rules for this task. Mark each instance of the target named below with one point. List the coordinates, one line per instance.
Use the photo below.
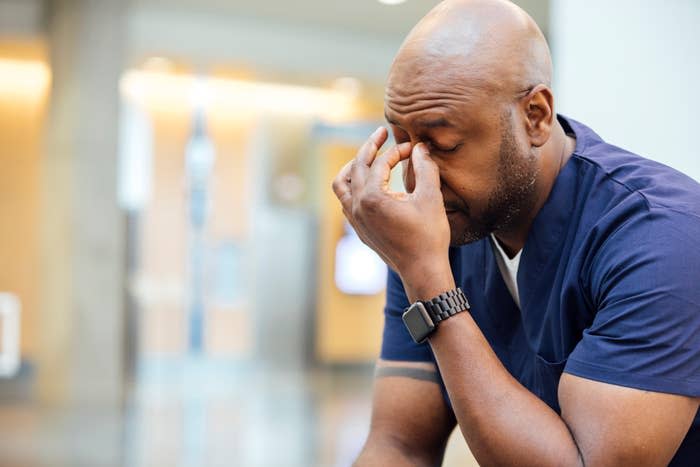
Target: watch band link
(446, 304)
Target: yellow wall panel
(22, 114)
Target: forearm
(503, 422)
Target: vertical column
(82, 257)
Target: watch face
(418, 322)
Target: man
(581, 341)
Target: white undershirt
(509, 268)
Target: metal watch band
(446, 304)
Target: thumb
(426, 172)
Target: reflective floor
(203, 413)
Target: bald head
(488, 45)
(471, 81)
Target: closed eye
(434, 147)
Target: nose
(409, 177)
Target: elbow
(390, 450)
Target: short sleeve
(644, 282)
(397, 343)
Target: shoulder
(655, 239)
(617, 170)
(634, 217)
(642, 212)
(624, 195)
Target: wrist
(423, 317)
(426, 281)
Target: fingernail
(377, 131)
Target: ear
(538, 108)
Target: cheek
(471, 187)
(474, 173)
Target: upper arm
(630, 389)
(410, 420)
(642, 284)
(615, 425)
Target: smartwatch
(422, 317)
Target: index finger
(366, 154)
(341, 186)
(381, 168)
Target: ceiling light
(243, 98)
(24, 79)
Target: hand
(409, 231)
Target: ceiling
(321, 38)
(365, 16)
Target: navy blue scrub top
(609, 283)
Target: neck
(554, 154)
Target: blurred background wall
(187, 290)
(629, 70)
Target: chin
(464, 238)
(462, 233)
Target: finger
(380, 172)
(342, 187)
(366, 154)
(407, 173)
(425, 170)
(341, 182)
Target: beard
(510, 201)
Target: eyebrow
(435, 123)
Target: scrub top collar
(554, 220)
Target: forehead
(431, 96)
(424, 121)
(431, 108)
